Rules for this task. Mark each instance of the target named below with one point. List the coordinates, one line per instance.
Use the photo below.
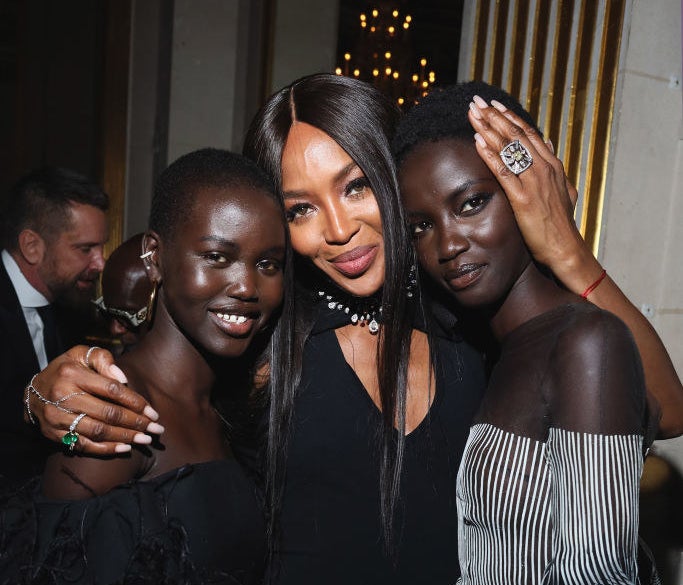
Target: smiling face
(222, 276)
(462, 224)
(333, 216)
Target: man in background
(54, 231)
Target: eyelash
(360, 184)
(270, 266)
(422, 225)
(481, 198)
(476, 202)
(354, 188)
(296, 211)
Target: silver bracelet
(27, 401)
(31, 389)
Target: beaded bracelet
(593, 286)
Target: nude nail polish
(141, 439)
(480, 102)
(500, 107)
(155, 428)
(149, 412)
(476, 112)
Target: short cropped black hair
(41, 201)
(178, 185)
(443, 114)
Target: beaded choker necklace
(360, 311)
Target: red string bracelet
(593, 286)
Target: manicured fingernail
(117, 374)
(478, 138)
(122, 448)
(550, 145)
(149, 412)
(476, 112)
(155, 428)
(142, 439)
(500, 107)
(480, 102)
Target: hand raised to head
(541, 196)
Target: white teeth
(239, 319)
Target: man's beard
(67, 292)
(75, 297)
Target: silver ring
(71, 438)
(516, 157)
(87, 355)
(79, 418)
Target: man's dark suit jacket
(22, 448)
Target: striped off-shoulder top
(548, 485)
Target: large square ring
(516, 157)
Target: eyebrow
(220, 241)
(460, 189)
(232, 245)
(337, 177)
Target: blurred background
(117, 89)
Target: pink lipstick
(356, 261)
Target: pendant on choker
(369, 312)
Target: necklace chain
(369, 314)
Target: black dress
(330, 521)
(199, 524)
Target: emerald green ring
(71, 437)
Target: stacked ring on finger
(516, 157)
(87, 355)
(71, 437)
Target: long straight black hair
(361, 120)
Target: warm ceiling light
(338, 70)
(356, 72)
(395, 13)
(347, 56)
(375, 13)
(423, 61)
(388, 54)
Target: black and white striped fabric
(562, 511)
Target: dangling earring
(411, 285)
(151, 303)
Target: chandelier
(383, 55)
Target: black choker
(361, 311)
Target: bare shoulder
(595, 381)
(77, 477)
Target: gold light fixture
(382, 56)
